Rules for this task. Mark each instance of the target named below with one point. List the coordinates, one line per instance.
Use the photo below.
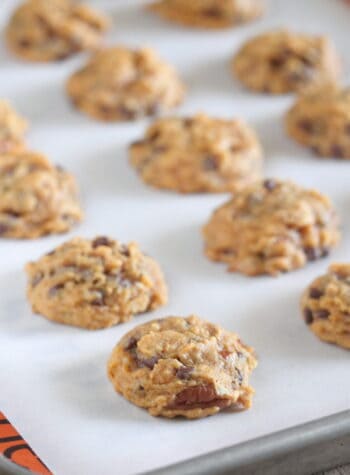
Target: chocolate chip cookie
(270, 227)
(326, 305)
(182, 367)
(198, 154)
(208, 13)
(95, 283)
(120, 84)
(320, 120)
(282, 61)
(52, 30)
(36, 198)
(12, 129)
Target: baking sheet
(53, 383)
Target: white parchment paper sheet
(53, 383)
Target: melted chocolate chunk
(55, 289)
(212, 12)
(184, 372)
(3, 228)
(131, 344)
(315, 293)
(209, 163)
(306, 125)
(322, 314)
(147, 362)
(269, 184)
(308, 316)
(337, 151)
(101, 241)
(200, 396)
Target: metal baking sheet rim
(303, 449)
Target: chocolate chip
(306, 125)
(147, 362)
(188, 122)
(269, 184)
(311, 253)
(154, 135)
(308, 316)
(99, 301)
(3, 228)
(322, 314)
(315, 293)
(101, 241)
(277, 61)
(209, 163)
(131, 344)
(55, 289)
(184, 372)
(212, 12)
(337, 151)
(36, 279)
(200, 396)
(24, 43)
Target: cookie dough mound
(320, 119)
(198, 154)
(182, 367)
(36, 198)
(271, 227)
(12, 129)
(208, 13)
(326, 305)
(281, 61)
(51, 30)
(95, 283)
(123, 84)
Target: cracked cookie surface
(51, 30)
(182, 367)
(208, 13)
(36, 198)
(282, 61)
(120, 84)
(320, 120)
(94, 283)
(198, 154)
(326, 306)
(271, 227)
(12, 129)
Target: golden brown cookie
(95, 283)
(271, 227)
(320, 119)
(326, 305)
(198, 154)
(12, 129)
(208, 13)
(36, 198)
(51, 30)
(182, 367)
(123, 84)
(282, 61)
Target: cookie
(36, 198)
(182, 367)
(12, 129)
(326, 306)
(52, 30)
(271, 227)
(120, 84)
(320, 120)
(282, 61)
(95, 283)
(198, 154)
(208, 13)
